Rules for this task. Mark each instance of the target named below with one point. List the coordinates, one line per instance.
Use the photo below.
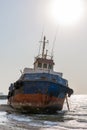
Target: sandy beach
(13, 125)
(5, 107)
(3, 127)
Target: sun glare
(66, 12)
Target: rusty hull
(36, 103)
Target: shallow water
(75, 119)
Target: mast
(44, 61)
(44, 44)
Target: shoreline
(21, 127)
(14, 125)
(5, 107)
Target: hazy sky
(21, 25)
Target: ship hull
(36, 103)
(38, 97)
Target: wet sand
(16, 125)
(3, 127)
(5, 107)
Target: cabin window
(44, 65)
(50, 66)
(39, 65)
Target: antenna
(41, 40)
(43, 49)
(54, 43)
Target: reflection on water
(3, 101)
(63, 120)
(3, 117)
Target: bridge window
(44, 65)
(50, 66)
(39, 65)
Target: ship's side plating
(39, 92)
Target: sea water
(75, 119)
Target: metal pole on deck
(67, 103)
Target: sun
(66, 12)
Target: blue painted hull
(44, 87)
(38, 95)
